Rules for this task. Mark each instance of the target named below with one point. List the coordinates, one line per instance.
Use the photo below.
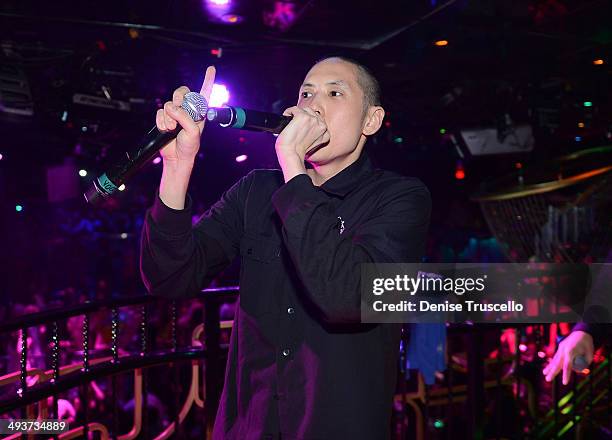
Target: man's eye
(335, 91)
(305, 94)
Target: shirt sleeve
(178, 259)
(597, 331)
(329, 263)
(596, 315)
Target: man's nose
(316, 108)
(315, 104)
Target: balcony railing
(460, 401)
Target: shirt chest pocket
(261, 275)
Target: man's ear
(373, 120)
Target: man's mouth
(313, 150)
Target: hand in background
(577, 343)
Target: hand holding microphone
(575, 353)
(176, 135)
(185, 146)
(306, 132)
(180, 153)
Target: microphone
(242, 118)
(579, 363)
(107, 183)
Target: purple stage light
(241, 158)
(217, 9)
(282, 17)
(219, 95)
(157, 160)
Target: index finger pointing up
(207, 85)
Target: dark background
(533, 60)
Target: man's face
(331, 88)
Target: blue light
(578, 138)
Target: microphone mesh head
(196, 105)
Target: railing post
(214, 368)
(475, 385)
(23, 365)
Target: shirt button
(291, 310)
(286, 352)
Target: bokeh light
(219, 96)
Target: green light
(18, 208)
(588, 104)
(568, 426)
(565, 399)
(443, 131)
(439, 424)
(398, 140)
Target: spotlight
(157, 160)
(441, 43)
(219, 2)
(121, 187)
(219, 96)
(18, 208)
(588, 104)
(241, 158)
(82, 173)
(598, 62)
(1, 156)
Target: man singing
(301, 365)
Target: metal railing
(464, 392)
(36, 386)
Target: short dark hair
(365, 78)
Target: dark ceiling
(532, 59)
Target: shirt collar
(350, 177)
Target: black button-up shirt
(300, 362)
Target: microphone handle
(237, 117)
(109, 182)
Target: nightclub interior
(498, 112)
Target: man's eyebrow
(337, 82)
